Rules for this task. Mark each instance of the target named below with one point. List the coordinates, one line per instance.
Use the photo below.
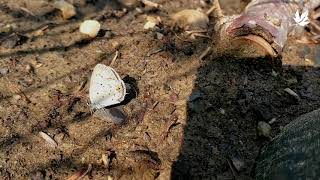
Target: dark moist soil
(191, 118)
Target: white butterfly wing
(106, 87)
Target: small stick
(27, 11)
(155, 52)
(205, 52)
(155, 105)
(272, 120)
(216, 6)
(196, 31)
(194, 35)
(114, 58)
(40, 30)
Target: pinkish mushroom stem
(270, 19)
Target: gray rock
(294, 153)
(237, 163)
(263, 129)
(4, 71)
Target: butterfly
(302, 20)
(106, 87)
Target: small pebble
(159, 36)
(4, 71)
(237, 163)
(149, 25)
(90, 28)
(16, 97)
(274, 73)
(67, 9)
(108, 34)
(222, 111)
(215, 151)
(152, 22)
(139, 10)
(9, 28)
(29, 68)
(264, 129)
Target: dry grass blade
(27, 11)
(205, 52)
(114, 58)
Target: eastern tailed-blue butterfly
(106, 87)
